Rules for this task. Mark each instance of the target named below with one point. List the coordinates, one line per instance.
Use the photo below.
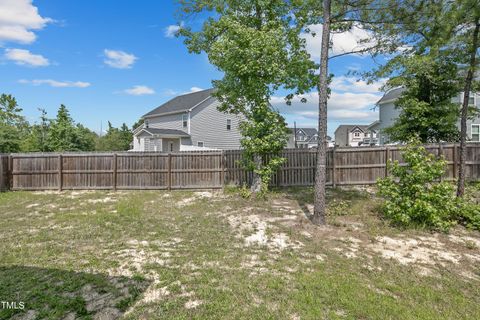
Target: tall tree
(443, 28)
(12, 124)
(466, 38)
(321, 171)
(258, 47)
(63, 135)
(338, 17)
(115, 139)
(426, 108)
(36, 139)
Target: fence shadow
(42, 293)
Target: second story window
(185, 120)
(229, 124)
(146, 123)
(476, 132)
(356, 134)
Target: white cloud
(119, 59)
(351, 84)
(17, 20)
(171, 30)
(139, 91)
(354, 39)
(56, 84)
(195, 89)
(25, 57)
(350, 102)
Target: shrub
(468, 214)
(413, 192)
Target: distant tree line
(61, 133)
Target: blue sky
(116, 60)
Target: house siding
(388, 114)
(209, 125)
(169, 121)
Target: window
(471, 99)
(229, 124)
(200, 144)
(356, 134)
(146, 123)
(476, 132)
(185, 120)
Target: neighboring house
(388, 114)
(352, 135)
(188, 122)
(304, 138)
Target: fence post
(10, 172)
(386, 162)
(454, 160)
(440, 154)
(222, 172)
(114, 177)
(334, 184)
(169, 171)
(60, 175)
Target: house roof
(351, 127)
(181, 103)
(391, 95)
(168, 132)
(374, 125)
(309, 131)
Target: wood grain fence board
(207, 169)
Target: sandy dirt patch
(196, 196)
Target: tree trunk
(321, 174)
(257, 181)
(464, 114)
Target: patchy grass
(211, 255)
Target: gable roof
(391, 95)
(181, 103)
(351, 127)
(308, 131)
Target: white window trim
(184, 120)
(471, 132)
(198, 144)
(229, 120)
(472, 95)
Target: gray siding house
(188, 122)
(304, 138)
(388, 114)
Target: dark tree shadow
(303, 196)
(59, 294)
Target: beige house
(352, 135)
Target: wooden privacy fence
(117, 171)
(206, 169)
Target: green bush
(413, 192)
(468, 214)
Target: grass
(186, 255)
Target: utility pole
(295, 133)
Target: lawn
(216, 255)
